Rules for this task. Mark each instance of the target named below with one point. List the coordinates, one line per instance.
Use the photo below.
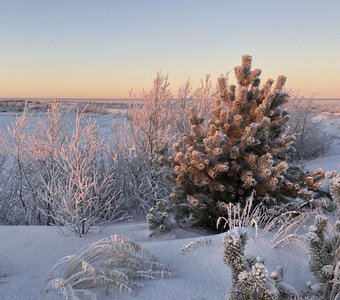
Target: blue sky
(83, 48)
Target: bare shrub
(139, 145)
(53, 176)
(146, 139)
(312, 140)
(81, 191)
(13, 105)
(142, 183)
(44, 146)
(30, 158)
(201, 100)
(94, 109)
(160, 118)
(18, 204)
(3, 178)
(152, 121)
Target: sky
(104, 48)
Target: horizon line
(122, 98)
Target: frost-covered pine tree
(324, 247)
(240, 149)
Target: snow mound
(30, 252)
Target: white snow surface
(28, 253)
(331, 161)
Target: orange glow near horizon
(111, 86)
(80, 49)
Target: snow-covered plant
(94, 108)
(289, 220)
(31, 156)
(21, 209)
(81, 191)
(159, 219)
(286, 226)
(115, 262)
(241, 148)
(3, 178)
(142, 183)
(138, 147)
(250, 277)
(201, 100)
(152, 120)
(334, 188)
(160, 118)
(247, 216)
(312, 140)
(320, 247)
(192, 246)
(195, 244)
(43, 151)
(3, 151)
(324, 247)
(143, 143)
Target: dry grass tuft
(115, 262)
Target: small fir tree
(159, 219)
(324, 247)
(250, 277)
(240, 149)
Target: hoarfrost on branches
(115, 262)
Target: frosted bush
(115, 262)
(17, 200)
(31, 157)
(3, 177)
(57, 177)
(312, 140)
(81, 191)
(323, 241)
(250, 277)
(159, 219)
(145, 141)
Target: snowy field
(28, 253)
(105, 122)
(331, 161)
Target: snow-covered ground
(331, 161)
(105, 122)
(28, 253)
